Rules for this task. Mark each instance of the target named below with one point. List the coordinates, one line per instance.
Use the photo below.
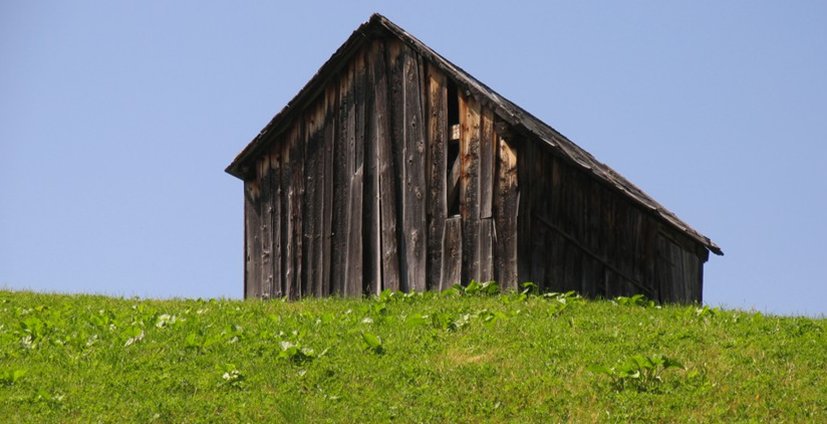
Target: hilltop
(463, 356)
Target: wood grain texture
(395, 54)
(452, 259)
(505, 215)
(252, 225)
(437, 113)
(391, 278)
(288, 228)
(354, 260)
(487, 160)
(485, 249)
(414, 154)
(372, 248)
(275, 204)
(266, 214)
(469, 111)
(297, 146)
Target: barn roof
(379, 26)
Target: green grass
(418, 358)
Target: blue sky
(118, 118)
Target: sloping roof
(379, 26)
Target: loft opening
(453, 163)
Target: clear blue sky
(118, 118)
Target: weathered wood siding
(351, 199)
(359, 193)
(576, 233)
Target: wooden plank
(319, 202)
(452, 259)
(353, 133)
(309, 253)
(572, 267)
(437, 114)
(298, 207)
(372, 249)
(488, 152)
(546, 262)
(413, 201)
(469, 111)
(353, 263)
(327, 202)
(276, 202)
(341, 190)
(356, 281)
(690, 269)
(359, 86)
(678, 281)
(288, 240)
(524, 218)
(505, 214)
(252, 225)
(266, 215)
(572, 243)
(391, 279)
(485, 248)
(314, 198)
(591, 276)
(649, 258)
(396, 101)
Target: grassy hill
(456, 357)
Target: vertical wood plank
(298, 208)
(469, 111)
(319, 200)
(288, 200)
(266, 215)
(543, 195)
(396, 103)
(414, 212)
(353, 263)
(309, 253)
(252, 224)
(524, 219)
(372, 247)
(488, 142)
(437, 113)
(328, 176)
(486, 249)
(452, 246)
(341, 187)
(276, 202)
(505, 215)
(389, 259)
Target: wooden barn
(395, 169)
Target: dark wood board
(437, 117)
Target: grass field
(456, 357)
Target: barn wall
(368, 190)
(394, 178)
(579, 234)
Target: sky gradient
(117, 121)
